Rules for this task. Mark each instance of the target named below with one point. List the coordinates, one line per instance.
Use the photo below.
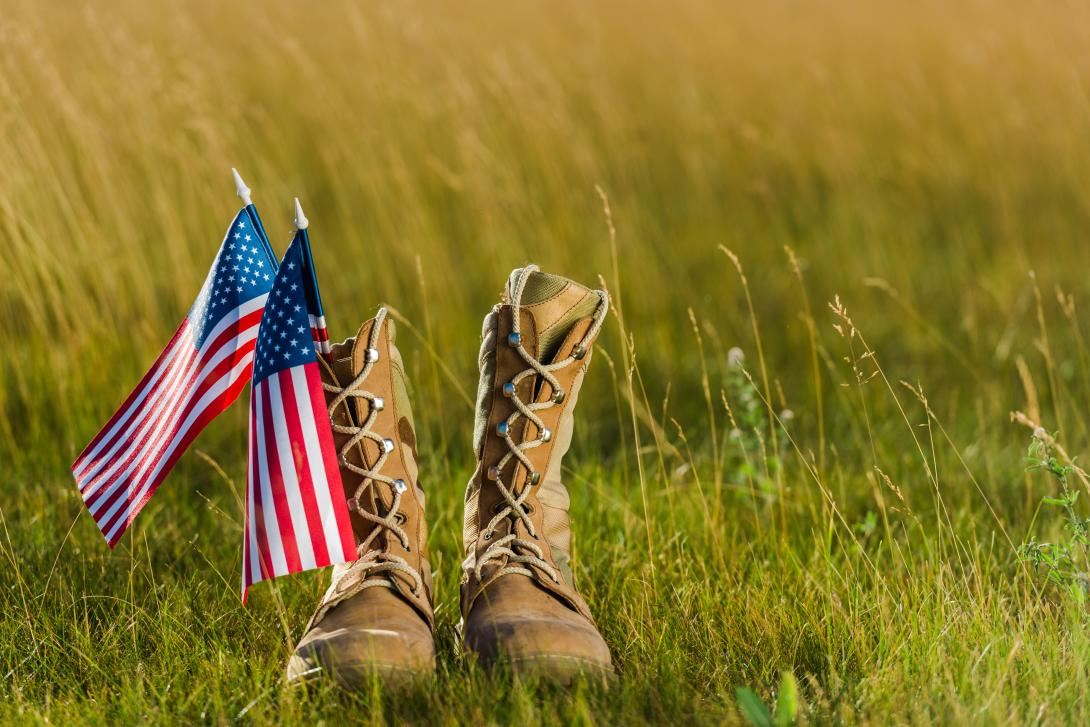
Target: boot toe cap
(540, 645)
(356, 657)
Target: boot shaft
(375, 437)
(535, 350)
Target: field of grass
(885, 207)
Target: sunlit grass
(885, 208)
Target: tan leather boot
(519, 605)
(376, 620)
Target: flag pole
(251, 211)
(311, 281)
(301, 225)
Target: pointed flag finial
(301, 220)
(240, 188)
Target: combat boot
(376, 619)
(519, 604)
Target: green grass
(928, 165)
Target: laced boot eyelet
(579, 352)
(558, 397)
(400, 486)
(546, 435)
(493, 473)
(487, 535)
(502, 428)
(353, 504)
(533, 478)
(514, 339)
(378, 403)
(387, 445)
(371, 355)
(508, 389)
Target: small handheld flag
(200, 373)
(296, 514)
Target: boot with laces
(376, 620)
(519, 604)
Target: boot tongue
(554, 303)
(341, 354)
(349, 358)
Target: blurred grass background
(928, 163)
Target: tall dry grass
(845, 505)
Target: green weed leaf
(752, 708)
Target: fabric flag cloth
(296, 513)
(200, 373)
(318, 328)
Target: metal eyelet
(502, 429)
(378, 403)
(388, 445)
(487, 535)
(493, 473)
(372, 355)
(399, 484)
(514, 339)
(579, 352)
(533, 478)
(508, 389)
(546, 434)
(558, 397)
(353, 504)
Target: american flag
(296, 513)
(200, 373)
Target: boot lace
(516, 554)
(374, 565)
